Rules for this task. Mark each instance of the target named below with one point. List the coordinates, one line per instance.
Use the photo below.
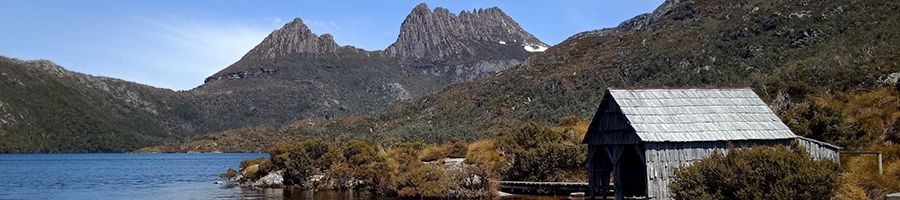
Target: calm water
(136, 176)
(120, 176)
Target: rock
(454, 162)
(291, 39)
(397, 91)
(891, 79)
(438, 35)
(274, 179)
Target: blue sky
(176, 44)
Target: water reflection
(276, 193)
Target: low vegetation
(757, 173)
(861, 178)
(391, 168)
(454, 169)
(548, 153)
(859, 120)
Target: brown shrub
(433, 153)
(485, 153)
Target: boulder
(274, 179)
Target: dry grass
(485, 153)
(861, 177)
(875, 110)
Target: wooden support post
(640, 154)
(615, 154)
(592, 176)
(618, 177)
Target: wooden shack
(639, 136)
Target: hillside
(788, 51)
(45, 108)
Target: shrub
(228, 174)
(540, 153)
(433, 153)
(826, 124)
(359, 153)
(474, 182)
(757, 173)
(424, 181)
(569, 120)
(252, 161)
(456, 148)
(298, 168)
(282, 148)
(892, 134)
(485, 153)
(394, 143)
(303, 160)
(357, 164)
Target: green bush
(252, 161)
(541, 153)
(303, 160)
(757, 173)
(424, 181)
(298, 167)
(826, 124)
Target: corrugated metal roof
(684, 115)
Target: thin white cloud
(183, 52)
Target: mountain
(45, 108)
(791, 52)
(439, 36)
(292, 74)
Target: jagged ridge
(439, 35)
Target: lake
(119, 176)
(137, 176)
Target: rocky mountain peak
(439, 35)
(291, 39)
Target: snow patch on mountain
(534, 48)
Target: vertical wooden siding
(820, 150)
